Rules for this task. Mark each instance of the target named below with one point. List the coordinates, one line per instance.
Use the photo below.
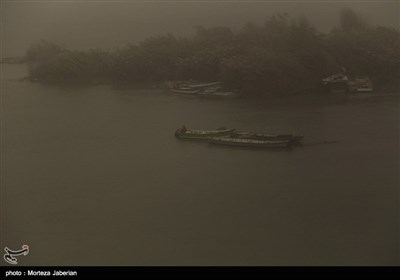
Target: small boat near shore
(205, 90)
(188, 91)
(184, 133)
(229, 141)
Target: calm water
(94, 176)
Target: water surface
(94, 176)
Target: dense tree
(282, 56)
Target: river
(94, 176)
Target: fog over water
(95, 176)
(108, 24)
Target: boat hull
(217, 94)
(364, 90)
(294, 139)
(186, 91)
(250, 143)
(204, 85)
(203, 134)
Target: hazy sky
(109, 24)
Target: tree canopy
(281, 56)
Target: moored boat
(188, 91)
(229, 141)
(211, 89)
(336, 83)
(185, 133)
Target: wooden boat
(294, 139)
(184, 133)
(336, 83)
(192, 88)
(229, 141)
(188, 91)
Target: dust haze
(109, 25)
(98, 167)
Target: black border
(213, 272)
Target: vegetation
(282, 56)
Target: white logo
(9, 256)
